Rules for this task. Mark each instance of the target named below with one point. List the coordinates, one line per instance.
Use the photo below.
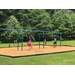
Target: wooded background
(59, 20)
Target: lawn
(67, 58)
(50, 59)
(71, 43)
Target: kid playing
(54, 42)
(30, 44)
(45, 41)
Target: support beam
(39, 40)
(43, 39)
(60, 38)
(29, 30)
(56, 39)
(18, 41)
(22, 41)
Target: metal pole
(60, 38)
(43, 39)
(56, 39)
(22, 41)
(18, 41)
(39, 40)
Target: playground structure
(32, 31)
(35, 50)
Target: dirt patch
(33, 51)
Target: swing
(29, 44)
(53, 35)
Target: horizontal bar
(33, 30)
(29, 30)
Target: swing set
(32, 31)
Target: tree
(65, 27)
(62, 23)
(35, 19)
(11, 23)
(60, 20)
(73, 26)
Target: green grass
(71, 43)
(50, 59)
(67, 58)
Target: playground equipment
(32, 31)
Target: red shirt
(29, 44)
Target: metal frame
(32, 31)
(18, 41)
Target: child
(30, 44)
(54, 42)
(45, 41)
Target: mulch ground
(13, 52)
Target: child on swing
(45, 41)
(30, 44)
(54, 42)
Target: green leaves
(11, 22)
(60, 20)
